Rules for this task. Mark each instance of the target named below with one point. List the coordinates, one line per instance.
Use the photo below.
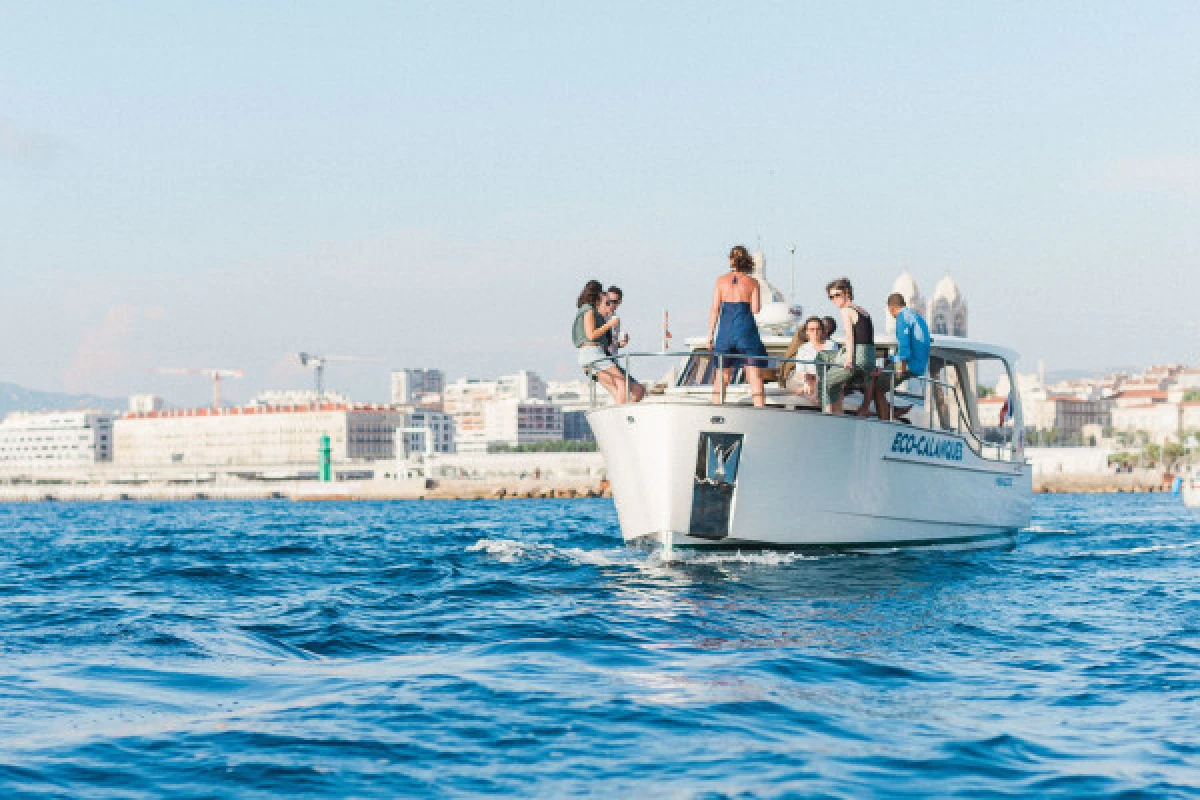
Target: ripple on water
(435, 649)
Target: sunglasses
(834, 295)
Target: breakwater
(312, 491)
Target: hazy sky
(222, 184)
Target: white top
(807, 352)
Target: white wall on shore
(1069, 460)
(483, 466)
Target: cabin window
(701, 370)
(963, 397)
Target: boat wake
(514, 551)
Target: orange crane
(216, 375)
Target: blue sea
(517, 648)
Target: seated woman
(732, 330)
(858, 359)
(809, 341)
(590, 333)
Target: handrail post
(721, 378)
(627, 377)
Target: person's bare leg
(612, 380)
(719, 382)
(882, 407)
(868, 395)
(754, 377)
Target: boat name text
(928, 446)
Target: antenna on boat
(792, 250)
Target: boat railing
(937, 395)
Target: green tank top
(579, 330)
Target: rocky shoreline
(523, 489)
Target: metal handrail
(957, 423)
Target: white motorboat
(687, 471)
(1189, 487)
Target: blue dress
(737, 334)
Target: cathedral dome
(906, 285)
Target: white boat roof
(954, 344)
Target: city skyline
(224, 187)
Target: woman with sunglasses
(591, 333)
(859, 359)
(731, 321)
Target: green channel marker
(326, 459)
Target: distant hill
(18, 398)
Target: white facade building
(1161, 421)
(418, 387)
(524, 385)
(513, 422)
(467, 400)
(255, 437)
(146, 402)
(425, 432)
(55, 439)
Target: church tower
(906, 285)
(948, 310)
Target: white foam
(511, 551)
(765, 558)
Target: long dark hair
(740, 259)
(590, 294)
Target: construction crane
(318, 364)
(215, 375)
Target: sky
(223, 184)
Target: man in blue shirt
(912, 339)
(911, 358)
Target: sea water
(447, 649)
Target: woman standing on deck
(732, 330)
(859, 360)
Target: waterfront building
(146, 402)
(512, 422)
(274, 441)
(1160, 422)
(523, 385)
(418, 387)
(467, 401)
(425, 431)
(279, 398)
(55, 439)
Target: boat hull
(800, 479)
(1191, 494)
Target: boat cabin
(954, 396)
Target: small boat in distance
(689, 472)
(1189, 487)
